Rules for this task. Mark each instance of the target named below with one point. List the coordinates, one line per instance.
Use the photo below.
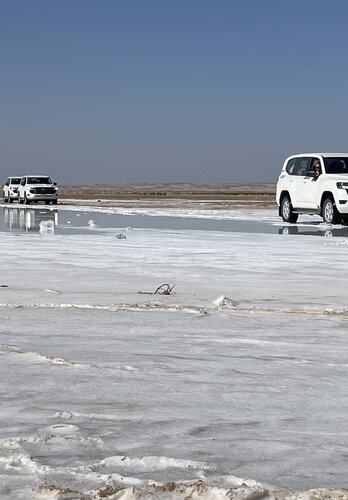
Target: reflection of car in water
(30, 220)
(314, 230)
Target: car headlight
(342, 185)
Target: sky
(144, 91)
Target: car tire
(54, 202)
(10, 200)
(330, 213)
(286, 211)
(26, 201)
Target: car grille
(44, 190)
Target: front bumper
(42, 197)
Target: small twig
(164, 289)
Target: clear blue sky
(119, 91)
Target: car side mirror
(54, 184)
(6, 184)
(311, 173)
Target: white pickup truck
(34, 188)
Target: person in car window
(317, 168)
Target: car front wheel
(287, 212)
(330, 212)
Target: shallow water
(60, 221)
(73, 222)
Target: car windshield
(15, 180)
(336, 165)
(39, 180)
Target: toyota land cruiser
(33, 188)
(314, 183)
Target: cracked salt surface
(241, 373)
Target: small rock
(225, 302)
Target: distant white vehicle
(34, 188)
(10, 189)
(314, 183)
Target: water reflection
(49, 220)
(74, 222)
(319, 230)
(30, 220)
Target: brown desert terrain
(172, 194)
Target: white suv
(10, 189)
(314, 183)
(33, 188)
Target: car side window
(302, 166)
(290, 167)
(312, 164)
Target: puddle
(42, 219)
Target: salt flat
(235, 384)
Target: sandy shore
(190, 196)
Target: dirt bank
(171, 195)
